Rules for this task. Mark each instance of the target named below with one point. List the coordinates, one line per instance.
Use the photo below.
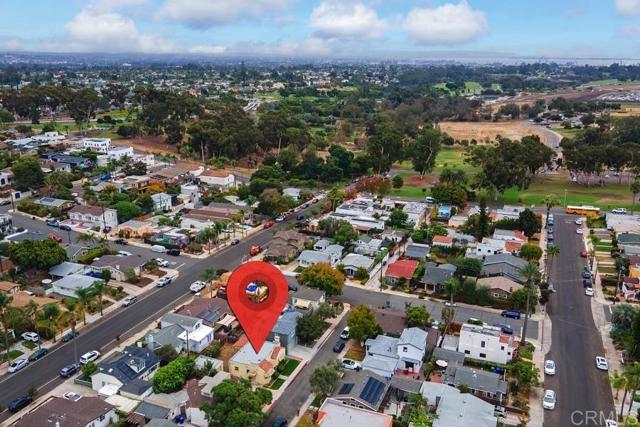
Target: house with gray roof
(308, 258)
(65, 269)
(75, 251)
(285, 330)
(321, 245)
(121, 368)
(119, 265)
(386, 355)
(304, 297)
(503, 265)
(450, 356)
(166, 336)
(68, 285)
(137, 389)
(352, 262)
(417, 251)
(456, 409)
(435, 276)
(483, 384)
(362, 389)
(412, 346)
(161, 202)
(186, 322)
(51, 202)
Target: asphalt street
(583, 392)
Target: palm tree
(85, 298)
(50, 314)
(632, 373)
(549, 202)
(99, 288)
(209, 234)
(618, 381)
(635, 189)
(5, 300)
(31, 312)
(452, 287)
(553, 251)
(209, 275)
(335, 195)
(531, 274)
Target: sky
(380, 29)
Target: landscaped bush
(27, 206)
(91, 254)
(171, 378)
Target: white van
(158, 248)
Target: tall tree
(362, 323)
(531, 274)
(635, 190)
(5, 301)
(552, 251)
(483, 220)
(85, 298)
(424, 150)
(27, 173)
(385, 147)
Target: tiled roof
(402, 268)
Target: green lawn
(448, 157)
(413, 192)
(567, 133)
(30, 345)
(275, 385)
(13, 354)
(290, 365)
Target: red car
(268, 224)
(53, 236)
(583, 254)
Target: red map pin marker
(257, 318)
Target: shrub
(171, 378)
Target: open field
(470, 88)
(627, 109)
(481, 131)
(148, 144)
(566, 133)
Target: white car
(579, 231)
(30, 336)
(601, 363)
(450, 304)
(72, 395)
(588, 292)
(280, 218)
(549, 367)
(89, 357)
(129, 300)
(351, 364)
(345, 333)
(197, 286)
(622, 211)
(124, 253)
(17, 364)
(163, 281)
(162, 262)
(549, 399)
(578, 221)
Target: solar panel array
(346, 388)
(372, 391)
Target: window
(467, 352)
(404, 349)
(501, 347)
(483, 344)
(236, 368)
(483, 355)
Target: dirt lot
(481, 131)
(148, 144)
(585, 94)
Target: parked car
(429, 200)
(159, 249)
(602, 363)
(299, 217)
(255, 250)
(549, 367)
(351, 364)
(72, 395)
(162, 262)
(579, 231)
(512, 314)
(173, 252)
(279, 422)
(69, 370)
(279, 218)
(586, 283)
(129, 300)
(551, 287)
(163, 281)
(52, 223)
(197, 286)
(65, 227)
(69, 336)
(578, 221)
(121, 241)
(506, 329)
(344, 334)
(17, 364)
(38, 354)
(586, 274)
(30, 336)
(124, 253)
(53, 236)
(268, 224)
(588, 292)
(234, 242)
(339, 346)
(622, 211)
(584, 254)
(20, 403)
(450, 304)
(549, 399)
(89, 357)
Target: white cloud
(111, 5)
(207, 49)
(307, 47)
(94, 30)
(10, 44)
(209, 13)
(629, 31)
(337, 19)
(628, 7)
(448, 24)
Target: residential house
(508, 212)
(73, 161)
(74, 251)
(65, 269)
(353, 262)
(620, 223)
(173, 403)
(118, 153)
(195, 415)
(214, 312)
(308, 258)
(285, 330)
(6, 177)
(442, 241)
(100, 145)
(121, 368)
(166, 336)
(119, 266)
(93, 216)
(416, 212)
(386, 355)
(417, 251)
(285, 245)
(88, 411)
(368, 246)
(186, 322)
(362, 389)
(53, 203)
(68, 285)
(161, 202)
(394, 236)
(500, 287)
(391, 322)
(401, 270)
(460, 240)
(486, 343)
(134, 182)
(452, 357)
(510, 236)
(456, 409)
(136, 390)
(136, 228)
(503, 265)
(6, 224)
(294, 193)
(483, 384)
(321, 245)
(195, 335)
(333, 413)
(304, 297)
(256, 367)
(218, 178)
(360, 223)
(629, 243)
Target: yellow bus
(589, 211)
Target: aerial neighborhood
(459, 249)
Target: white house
(198, 339)
(510, 236)
(217, 178)
(6, 177)
(294, 193)
(101, 145)
(161, 202)
(92, 216)
(386, 355)
(116, 154)
(68, 285)
(487, 247)
(486, 343)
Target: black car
(20, 403)
(38, 354)
(587, 283)
(586, 274)
(70, 335)
(65, 227)
(69, 370)
(279, 422)
(174, 252)
(339, 346)
(121, 241)
(300, 217)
